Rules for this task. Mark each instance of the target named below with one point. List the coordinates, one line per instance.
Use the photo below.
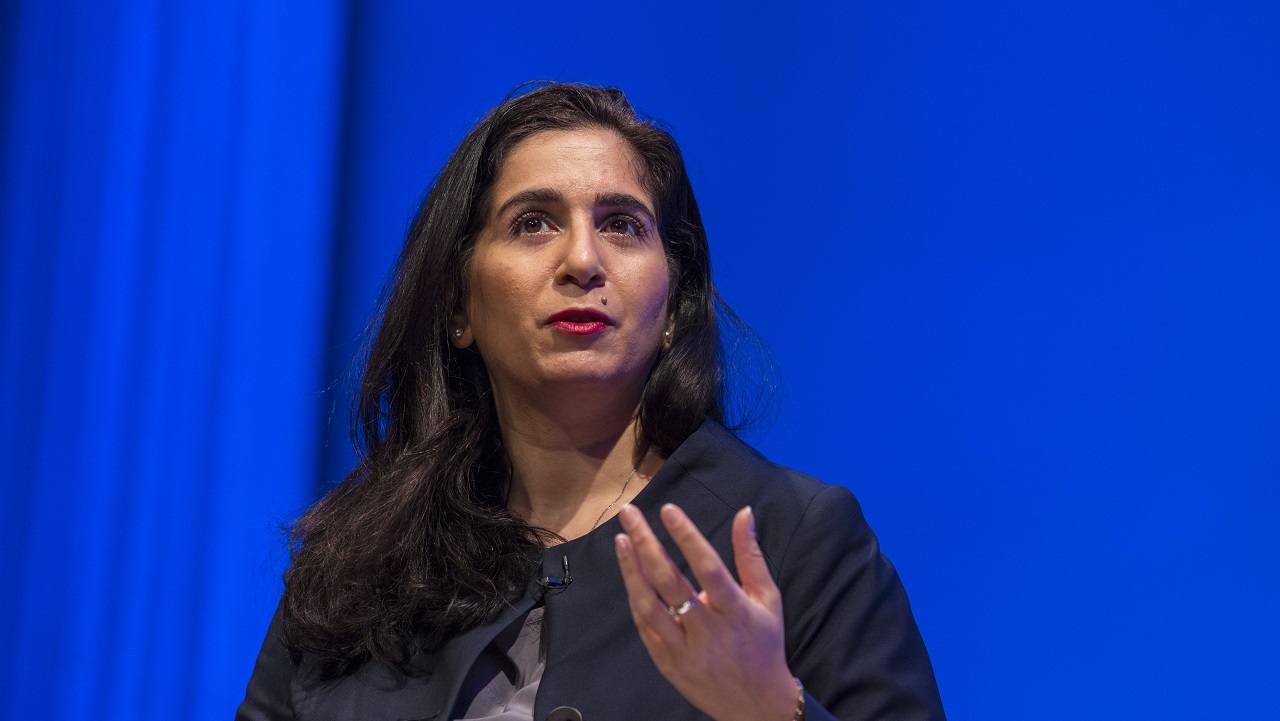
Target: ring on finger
(683, 608)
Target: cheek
(659, 289)
(500, 291)
(486, 293)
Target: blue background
(1018, 263)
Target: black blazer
(850, 636)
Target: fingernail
(626, 515)
(670, 513)
(620, 543)
(751, 522)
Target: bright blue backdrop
(1018, 263)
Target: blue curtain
(168, 212)
(1018, 263)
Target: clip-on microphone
(558, 582)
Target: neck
(570, 460)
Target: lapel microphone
(558, 581)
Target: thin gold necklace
(625, 483)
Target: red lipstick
(580, 321)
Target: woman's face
(569, 278)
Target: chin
(595, 374)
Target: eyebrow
(548, 196)
(623, 200)
(541, 195)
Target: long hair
(416, 544)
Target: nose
(581, 263)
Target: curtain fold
(169, 177)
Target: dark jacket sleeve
(268, 695)
(851, 638)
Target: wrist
(784, 701)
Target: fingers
(725, 652)
(653, 620)
(722, 592)
(670, 584)
(757, 582)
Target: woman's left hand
(722, 648)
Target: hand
(725, 654)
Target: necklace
(625, 483)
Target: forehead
(583, 162)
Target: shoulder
(783, 500)
(717, 459)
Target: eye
(623, 225)
(530, 224)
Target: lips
(580, 321)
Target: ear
(460, 334)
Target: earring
(457, 333)
(666, 335)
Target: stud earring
(666, 335)
(457, 333)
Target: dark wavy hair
(427, 500)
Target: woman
(545, 484)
